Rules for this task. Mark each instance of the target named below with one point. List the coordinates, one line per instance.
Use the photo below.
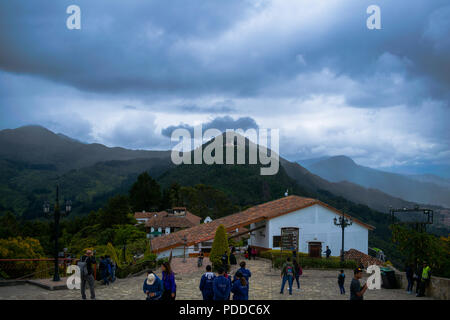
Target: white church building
(313, 219)
(316, 231)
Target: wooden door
(315, 249)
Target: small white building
(207, 219)
(316, 230)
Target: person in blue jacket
(153, 286)
(221, 286)
(206, 284)
(240, 287)
(245, 272)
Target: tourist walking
(108, 263)
(206, 284)
(245, 272)
(341, 281)
(297, 272)
(233, 260)
(287, 274)
(356, 291)
(113, 270)
(418, 277)
(425, 280)
(153, 287)
(168, 278)
(87, 274)
(254, 253)
(410, 277)
(200, 259)
(104, 270)
(224, 260)
(240, 287)
(327, 252)
(221, 286)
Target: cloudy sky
(312, 69)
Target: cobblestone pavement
(264, 284)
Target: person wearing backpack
(206, 284)
(87, 274)
(287, 274)
(298, 272)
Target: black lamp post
(185, 243)
(57, 216)
(343, 223)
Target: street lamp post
(185, 243)
(57, 216)
(343, 223)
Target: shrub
(279, 259)
(219, 246)
(125, 271)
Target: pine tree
(219, 247)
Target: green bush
(279, 259)
(219, 247)
(268, 254)
(144, 264)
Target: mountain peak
(341, 159)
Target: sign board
(289, 239)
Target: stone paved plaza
(264, 285)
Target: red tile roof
(361, 257)
(164, 220)
(144, 215)
(265, 211)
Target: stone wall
(439, 288)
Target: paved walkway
(264, 285)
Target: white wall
(178, 252)
(315, 224)
(259, 237)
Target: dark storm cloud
(184, 48)
(219, 123)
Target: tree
(421, 246)
(219, 247)
(117, 211)
(9, 227)
(145, 194)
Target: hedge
(279, 259)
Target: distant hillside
(33, 158)
(431, 178)
(421, 189)
(38, 146)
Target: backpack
(83, 266)
(289, 271)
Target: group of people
(160, 289)
(250, 253)
(420, 275)
(219, 287)
(107, 268)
